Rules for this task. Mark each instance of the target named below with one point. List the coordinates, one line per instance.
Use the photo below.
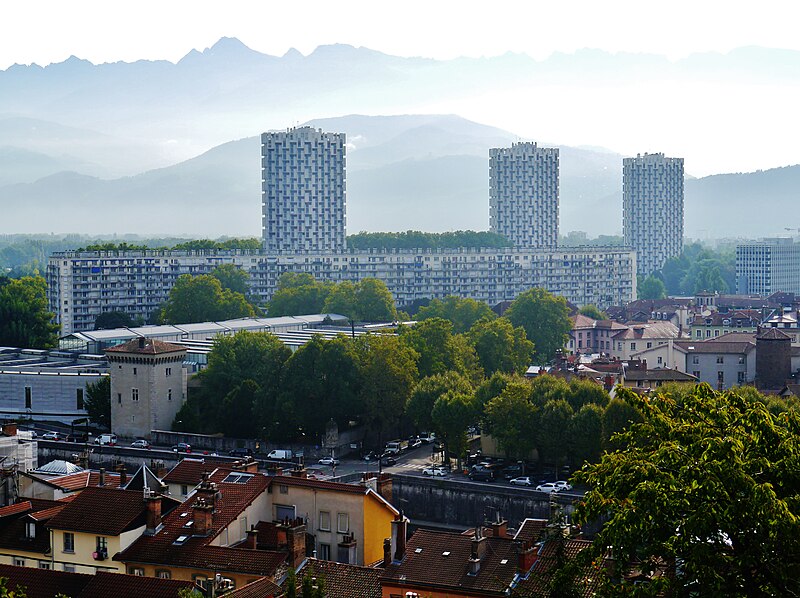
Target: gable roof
(13, 520)
(537, 582)
(440, 560)
(715, 346)
(342, 580)
(772, 334)
(259, 588)
(659, 329)
(104, 511)
(144, 478)
(84, 479)
(146, 346)
(530, 530)
(659, 374)
(190, 471)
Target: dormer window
(30, 530)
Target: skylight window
(238, 478)
(180, 540)
(446, 553)
(418, 550)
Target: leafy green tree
(651, 288)
(428, 391)
(6, 592)
(98, 402)
(388, 375)
(545, 319)
(298, 293)
(232, 277)
(500, 347)
(463, 313)
(709, 485)
(374, 302)
(291, 584)
(202, 299)
(594, 312)
(492, 387)
(321, 381)
(238, 420)
(554, 423)
(583, 392)
(452, 414)
(342, 300)
(586, 434)
(546, 388)
(113, 319)
(414, 239)
(439, 350)
(24, 317)
(617, 417)
(511, 420)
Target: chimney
(248, 465)
(399, 531)
(500, 528)
(207, 490)
(102, 477)
(202, 513)
(252, 539)
(300, 472)
(142, 342)
(527, 553)
(387, 552)
(153, 504)
(10, 429)
(477, 552)
(274, 470)
(296, 542)
(123, 475)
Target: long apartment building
(768, 266)
(82, 285)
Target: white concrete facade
(652, 209)
(523, 195)
(768, 266)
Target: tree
(342, 300)
(439, 350)
(707, 487)
(511, 420)
(113, 319)
(232, 277)
(554, 421)
(388, 374)
(594, 312)
(452, 414)
(583, 392)
(586, 434)
(428, 391)
(6, 592)
(202, 299)
(298, 293)
(463, 313)
(651, 288)
(374, 302)
(545, 319)
(24, 318)
(500, 347)
(98, 402)
(617, 417)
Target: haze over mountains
(109, 148)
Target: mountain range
(145, 147)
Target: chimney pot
(399, 532)
(142, 342)
(387, 552)
(153, 503)
(102, 477)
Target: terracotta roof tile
(530, 530)
(148, 347)
(342, 580)
(84, 479)
(260, 588)
(318, 484)
(16, 509)
(102, 511)
(538, 580)
(13, 526)
(440, 560)
(46, 514)
(42, 583)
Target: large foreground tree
(24, 319)
(708, 487)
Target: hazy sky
(716, 128)
(102, 31)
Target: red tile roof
(102, 511)
(440, 560)
(530, 530)
(260, 588)
(148, 347)
(45, 583)
(342, 580)
(12, 526)
(84, 479)
(537, 583)
(46, 514)
(190, 471)
(20, 507)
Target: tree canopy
(545, 319)
(203, 299)
(113, 319)
(501, 347)
(707, 488)
(463, 313)
(24, 317)
(414, 239)
(651, 287)
(98, 402)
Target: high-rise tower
(652, 209)
(523, 195)
(303, 191)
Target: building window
(119, 398)
(660, 360)
(69, 542)
(169, 394)
(698, 333)
(30, 530)
(79, 399)
(283, 512)
(184, 490)
(163, 574)
(696, 374)
(101, 544)
(325, 521)
(28, 400)
(649, 345)
(720, 359)
(325, 552)
(136, 571)
(741, 360)
(343, 523)
(44, 564)
(169, 371)
(134, 371)
(69, 568)
(720, 377)
(283, 488)
(740, 377)
(135, 394)
(695, 359)
(19, 562)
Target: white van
(106, 439)
(282, 454)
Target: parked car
(240, 452)
(548, 487)
(332, 461)
(427, 438)
(182, 447)
(140, 443)
(106, 439)
(434, 471)
(414, 442)
(514, 470)
(51, 436)
(370, 456)
(388, 461)
(562, 485)
(481, 473)
(521, 481)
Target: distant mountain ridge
(148, 146)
